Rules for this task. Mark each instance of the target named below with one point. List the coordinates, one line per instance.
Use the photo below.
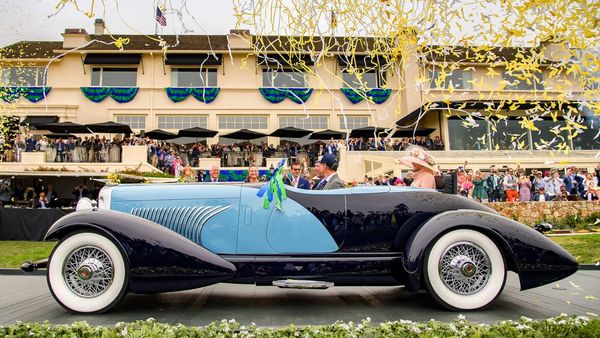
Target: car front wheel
(87, 273)
(464, 270)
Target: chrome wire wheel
(465, 268)
(88, 271)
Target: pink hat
(418, 155)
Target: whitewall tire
(464, 270)
(87, 273)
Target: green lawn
(586, 248)
(12, 253)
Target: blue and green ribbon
(376, 95)
(33, 94)
(202, 94)
(119, 94)
(276, 95)
(274, 188)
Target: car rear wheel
(464, 270)
(87, 273)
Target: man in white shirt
(541, 196)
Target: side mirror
(543, 227)
(94, 204)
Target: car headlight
(84, 204)
(104, 198)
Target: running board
(302, 284)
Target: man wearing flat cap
(326, 168)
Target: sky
(39, 20)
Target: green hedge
(561, 326)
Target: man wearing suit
(296, 180)
(326, 168)
(215, 170)
(79, 193)
(52, 196)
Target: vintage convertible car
(168, 237)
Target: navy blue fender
(535, 258)
(159, 259)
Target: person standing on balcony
(30, 143)
(511, 186)
(423, 170)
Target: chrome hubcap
(88, 271)
(465, 268)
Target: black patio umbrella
(409, 132)
(159, 134)
(66, 128)
(197, 132)
(59, 135)
(244, 134)
(368, 132)
(327, 134)
(290, 132)
(110, 127)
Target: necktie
(321, 184)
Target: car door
(308, 222)
(374, 216)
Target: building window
(586, 140)
(23, 76)
(240, 122)
(516, 80)
(508, 135)
(548, 131)
(133, 121)
(353, 122)
(114, 77)
(182, 122)
(303, 122)
(470, 136)
(194, 77)
(368, 79)
(480, 134)
(283, 78)
(458, 79)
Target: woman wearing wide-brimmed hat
(422, 164)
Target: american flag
(160, 18)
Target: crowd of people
(42, 195)
(394, 144)
(513, 185)
(164, 154)
(69, 149)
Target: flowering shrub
(561, 326)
